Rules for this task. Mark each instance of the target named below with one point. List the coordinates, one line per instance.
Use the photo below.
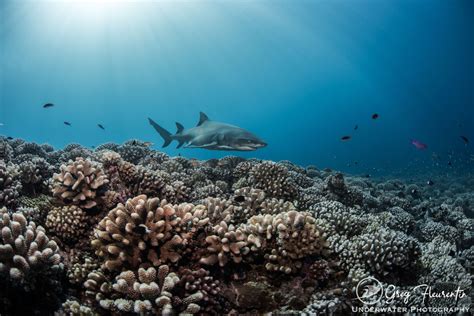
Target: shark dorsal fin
(179, 128)
(202, 118)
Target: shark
(211, 135)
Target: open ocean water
(359, 114)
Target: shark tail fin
(167, 137)
(179, 128)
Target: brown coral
(25, 248)
(282, 240)
(152, 291)
(69, 223)
(147, 230)
(274, 179)
(10, 185)
(80, 183)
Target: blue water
(300, 74)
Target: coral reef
(79, 182)
(69, 223)
(146, 230)
(125, 229)
(10, 186)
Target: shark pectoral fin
(193, 145)
(225, 147)
(208, 145)
(181, 143)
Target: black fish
(367, 176)
(48, 105)
(465, 139)
(140, 229)
(344, 138)
(429, 182)
(100, 126)
(375, 116)
(449, 163)
(9, 138)
(356, 127)
(239, 198)
(67, 123)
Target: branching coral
(338, 218)
(25, 249)
(384, 251)
(152, 291)
(285, 239)
(30, 148)
(80, 183)
(282, 240)
(10, 185)
(6, 151)
(227, 243)
(75, 308)
(34, 173)
(147, 230)
(81, 266)
(431, 229)
(74, 151)
(133, 150)
(35, 208)
(69, 223)
(274, 179)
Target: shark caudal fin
(167, 137)
(179, 130)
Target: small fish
(429, 182)
(356, 162)
(449, 163)
(375, 116)
(356, 127)
(9, 138)
(465, 139)
(344, 138)
(419, 145)
(92, 147)
(414, 191)
(48, 105)
(367, 176)
(148, 144)
(141, 229)
(67, 123)
(101, 126)
(239, 198)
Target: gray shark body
(211, 135)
